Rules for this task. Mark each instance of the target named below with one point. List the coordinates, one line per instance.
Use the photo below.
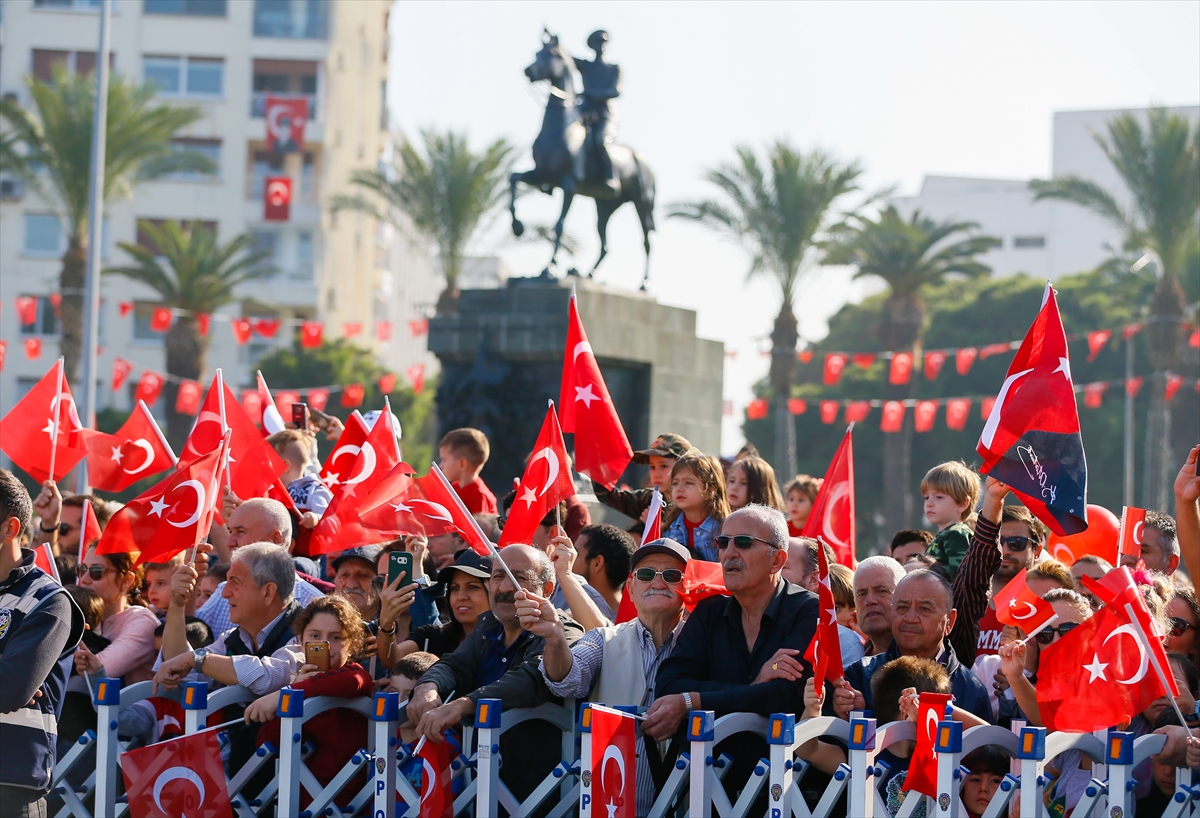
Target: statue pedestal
(502, 358)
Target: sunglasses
(97, 571)
(1017, 544)
(1179, 627)
(742, 542)
(671, 576)
(1046, 636)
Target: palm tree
(49, 148)
(444, 195)
(909, 255)
(776, 209)
(1160, 166)
(192, 272)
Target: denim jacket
(702, 544)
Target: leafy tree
(49, 148)
(340, 362)
(1160, 167)
(444, 195)
(190, 270)
(776, 208)
(910, 255)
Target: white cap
(370, 417)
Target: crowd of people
(249, 610)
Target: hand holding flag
(1020, 607)
(546, 483)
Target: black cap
(469, 563)
(369, 553)
(661, 546)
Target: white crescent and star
(993, 421)
(839, 491)
(612, 753)
(198, 487)
(366, 458)
(1032, 609)
(171, 774)
(931, 731)
(585, 394)
(441, 512)
(1143, 656)
(551, 459)
(145, 446)
(1137, 531)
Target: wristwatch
(198, 659)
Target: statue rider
(601, 85)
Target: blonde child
(700, 504)
(310, 495)
(800, 495)
(751, 480)
(950, 491)
(463, 454)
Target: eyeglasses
(1046, 636)
(1179, 627)
(1017, 544)
(97, 571)
(742, 542)
(671, 576)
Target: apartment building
(224, 57)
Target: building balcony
(258, 104)
(292, 19)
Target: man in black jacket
(39, 628)
(499, 660)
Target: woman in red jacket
(339, 733)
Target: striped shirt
(216, 611)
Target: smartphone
(317, 653)
(400, 564)
(300, 416)
(320, 418)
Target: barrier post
(1031, 750)
(949, 750)
(781, 739)
(585, 761)
(384, 721)
(291, 718)
(1118, 757)
(487, 723)
(861, 789)
(108, 749)
(700, 734)
(195, 706)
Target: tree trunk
(447, 303)
(186, 354)
(904, 317)
(784, 337)
(1164, 336)
(70, 316)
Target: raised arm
(974, 577)
(1187, 514)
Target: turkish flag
(797, 406)
(437, 792)
(26, 309)
(187, 397)
(277, 198)
(614, 763)
(1133, 527)
(934, 360)
(283, 408)
(957, 410)
(832, 516)
(149, 387)
(857, 411)
(120, 371)
(546, 482)
(267, 327)
(653, 528)
(383, 330)
(352, 395)
(829, 411)
(900, 371)
(1020, 607)
(701, 579)
(602, 450)
(757, 409)
(89, 526)
(922, 765)
(33, 348)
(180, 778)
(350, 329)
(418, 327)
(835, 364)
(864, 360)
(252, 402)
(160, 319)
(985, 408)
(137, 450)
(38, 421)
(398, 505)
(269, 414)
(826, 644)
(341, 460)
(172, 515)
(241, 330)
(1093, 394)
(285, 120)
(311, 334)
(1133, 386)
(43, 557)
(416, 376)
(805, 357)
(125, 307)
(993, 349)
(387, 383)
(318, 399)
(1031, 439)
(203, 323)
(1096, 341)
(1173, 384)
(924, 414)
(893, 416)
(964, 358)
(1117, 590)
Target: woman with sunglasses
(1183, 615)
(128, 624)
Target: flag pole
(54, 422)
(557, 506)
(224, 427)
(421, 741)
(387, 411)
(434, 469)
(161, 437)
(1158, 668)
(87, 509)
(1038, 630)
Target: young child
(463, 453)
(212, 580)
(950, 491)
(987, 766)
(801, 493)
(157, 590)
(700, 504)
(841, 582)
(310, 495)
(405, 674)
(752, 480)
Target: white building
(1049, 238)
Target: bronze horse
(560, 160)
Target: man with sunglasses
(618, 665)
(1022, 537)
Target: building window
(292, 78)
(185, 76)
(307, 179)
(303, 271)
(46, 320)
(84, 5)
(44, 235)
(189, 8)
(142, 313)
(294, 19)
(1028, 242)
(210, 148)
(76, 62)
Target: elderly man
(354, 572)
(741, 652)
(499, 660)
(875, 581)
(258, 520)
(803, 568)
(603, 665)
(922, 617)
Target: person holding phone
(405, 601)
(467, 594)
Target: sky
(907, 89)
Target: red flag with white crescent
(271, 419)
(341, 460)
(137, 450)
(614, 763)
(43, 557)
(922, 765)
(832, 516)
(180, 778)
(827, 644)
(1019, 606)
(1133, 527)
(546, 482)
(42, 418)
(437, 792)
(653, 529)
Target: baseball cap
(469, 563)
(661, 546)
(370, 553)
(667, 445)
(370, 417)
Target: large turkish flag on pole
(137, 450)
(602, 450)
(546, 483)
(42, 433)
(832, 516)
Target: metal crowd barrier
(695, 787)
